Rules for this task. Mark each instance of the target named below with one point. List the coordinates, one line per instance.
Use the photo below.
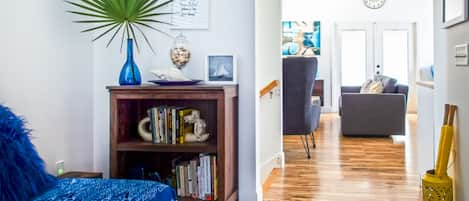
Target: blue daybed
(23, 177)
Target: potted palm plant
(126, 19)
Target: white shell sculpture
(143, 129)
(170, 74)
(190, 137)
(199, 134)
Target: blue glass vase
(130, 75)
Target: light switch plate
(462, 55)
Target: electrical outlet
(60, 165)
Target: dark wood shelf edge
(199, 87)
(182, 148)
(187, 199)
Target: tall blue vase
(130, 75)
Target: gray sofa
(373, 114)
(300, 116)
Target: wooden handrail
(268, 88)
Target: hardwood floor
(347, 168)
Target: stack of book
(167, 124)
(197, 178)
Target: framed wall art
(301, 38)
(190, 14)
(454, 12)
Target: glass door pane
(353, 58)
(396, 55)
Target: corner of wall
(277, 161)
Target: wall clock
(374, 4)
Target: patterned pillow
(366, 86)
(372, 87)
(22, 174)
(376, 87)
(389, 83)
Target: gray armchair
(373, 114)
(300, 117)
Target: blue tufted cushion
(22, 174)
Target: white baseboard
(260, 194)
(277, 161)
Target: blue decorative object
(22, 173)
(112, 190)
(130, 75)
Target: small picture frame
(454, 12)
(221, 69)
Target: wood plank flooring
(347, 168)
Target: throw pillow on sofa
(389, 83)
(365, 86)
(22, 174)
(372, 87)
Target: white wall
(46, 76)
(331, 11)
(450, 85)
(268, 68)
(231, 31)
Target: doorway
(363, 50)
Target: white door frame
(337, 54)
(374, 54)
(412, 55)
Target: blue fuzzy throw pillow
(22, 174)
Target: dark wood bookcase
(218, 106)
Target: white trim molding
(277, 161)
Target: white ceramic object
(190, 137)
(199, 134)
(170, 74)
(143, 129)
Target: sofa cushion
(22, 174)
(389, 83)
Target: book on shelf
(160, 124)
(197, 178)
(213, 161)
(173, 125)
(167, 124)
(183, 127)
(153, 113)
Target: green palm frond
(125, 16)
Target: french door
(363, 50)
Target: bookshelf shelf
(187, 199)
(218, 106)
(150, 147)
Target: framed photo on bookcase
(221, 69)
